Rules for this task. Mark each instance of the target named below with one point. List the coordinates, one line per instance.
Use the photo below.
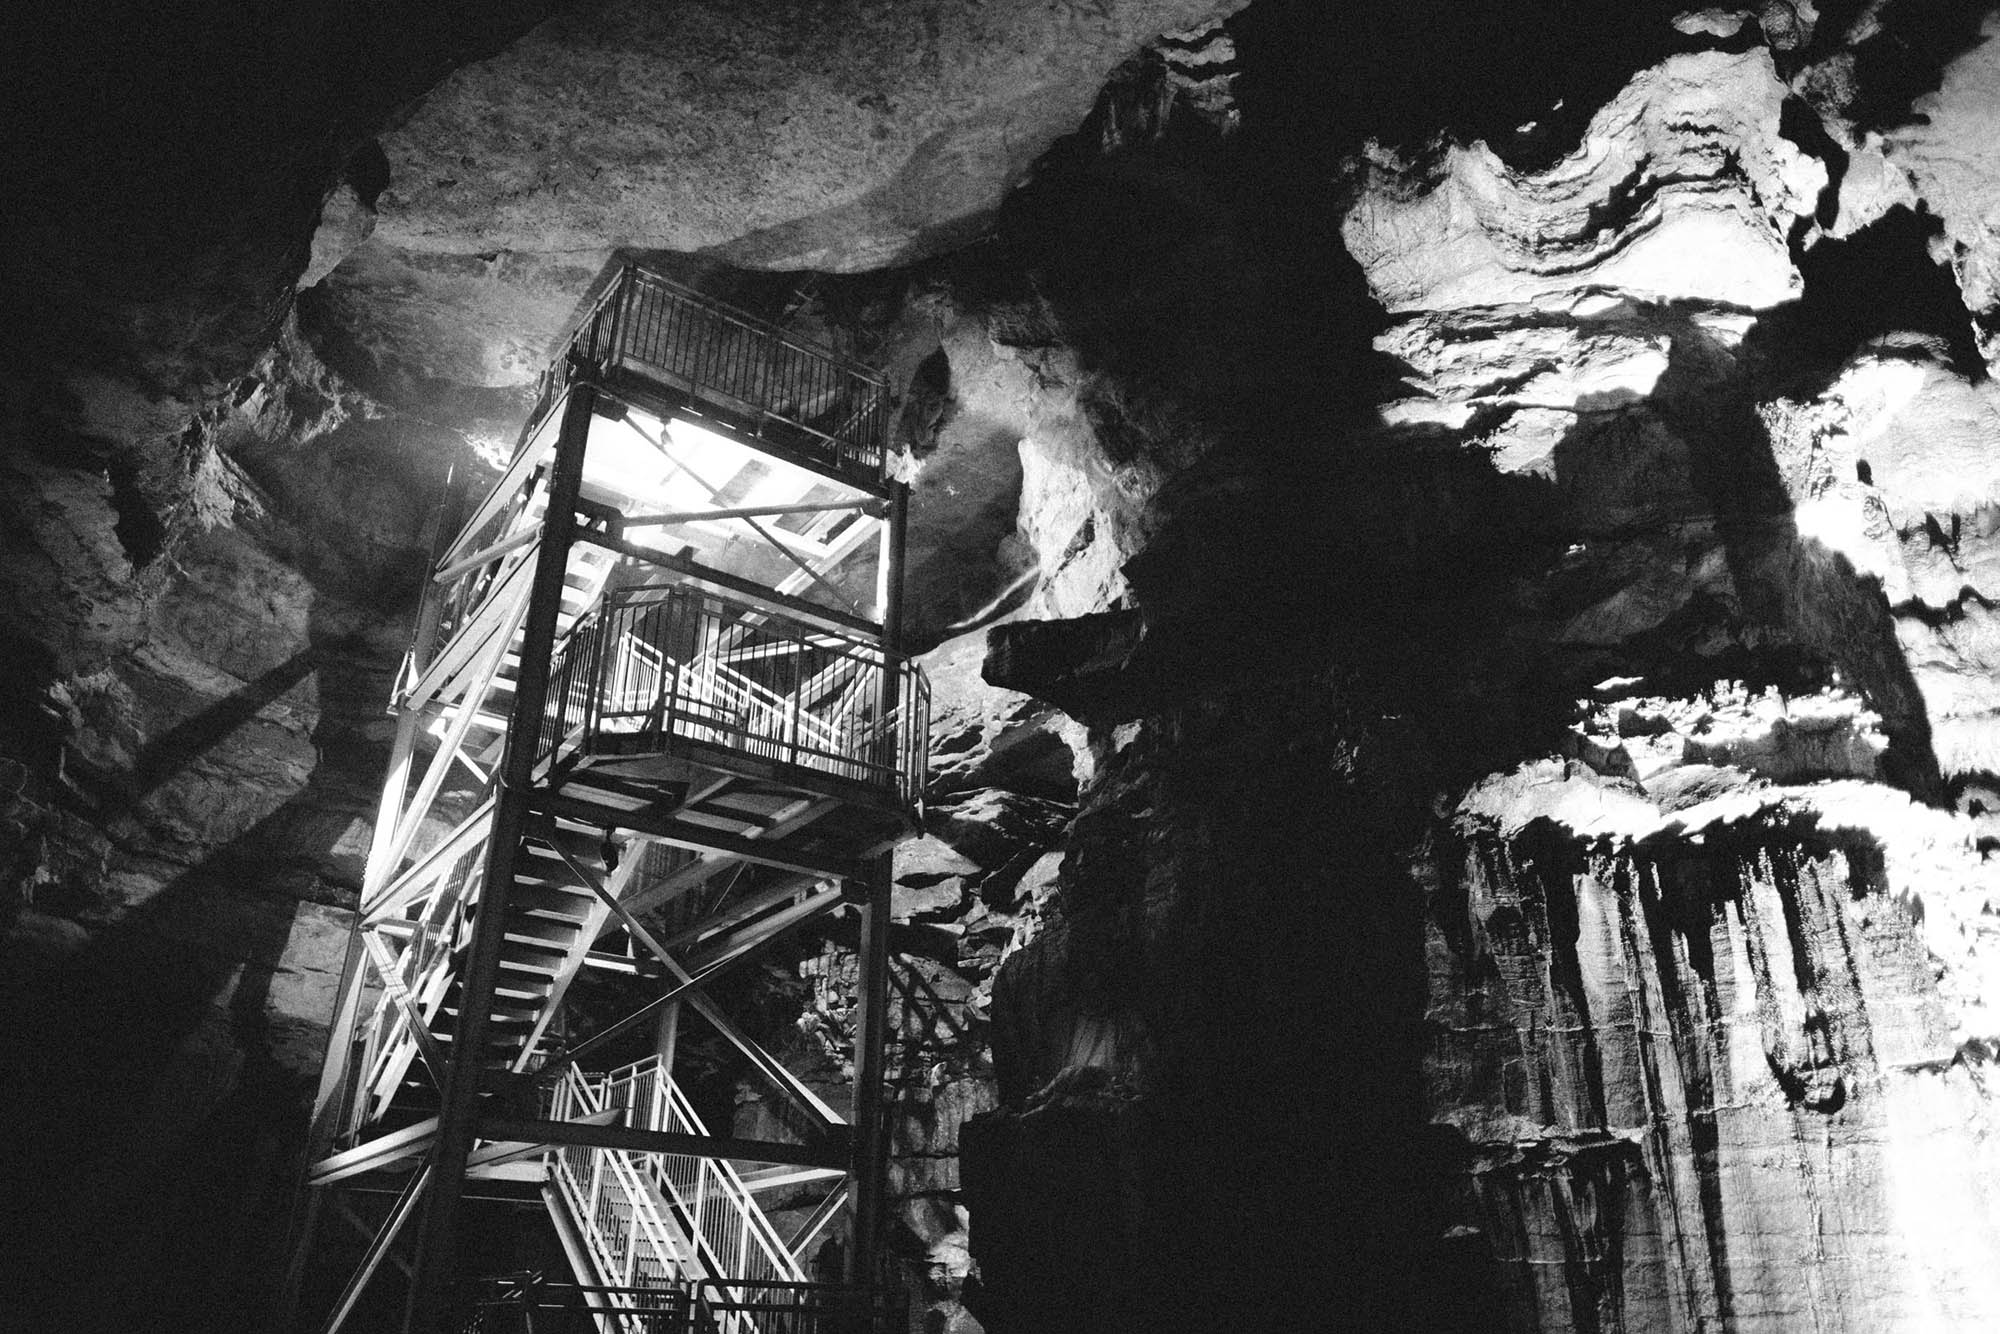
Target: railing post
(666, 1037)
(593, 676)
(627, 290)
(631, 1238)
(890, 597)
(870, 1167)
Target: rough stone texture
(1950, 156)
(1748, 1019)
(802, 135)
(870, 126)
(1681, 189)
(1637, 1016)
(202, 669)
(1890, 471)
(983, 734)
(1535, 479)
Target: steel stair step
(523, 929)
(581, 842)
(522, 966)
(533, 896)
(537, 955)
(557, 878)
(501, 1012)
(527, 979)
(526, 998)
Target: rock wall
(1478, 814)
(1724, 1011)
(1674, 1019)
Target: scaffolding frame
(465, 942)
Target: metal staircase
(642, 729)
(662, 1217)
(620, 1231)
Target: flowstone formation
(1477, 526)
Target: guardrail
(737, 1243)
(613, 1210)
(635, 1213)
(787, 389)
(526, 1304)
(654, 665)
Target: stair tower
(654, 715)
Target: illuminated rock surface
(1480, 814)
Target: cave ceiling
(447, 191)
(201, 168)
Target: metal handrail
(526, 1304)
(611, 1196)
(650, 667)
(800, 394)
(723, 1218)
(605, 1190)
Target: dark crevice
(140, 531)
(1906, 57)
(1525, 78)
(1881, 283)
(927, 404)
(367, 171)
(1938, 617)
(1800, 123)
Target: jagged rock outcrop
(1681, 189)
(1639, 1009)
(1946, 151)
(1601, 486)
(800, 137)
(1496, 516)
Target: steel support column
(870, 1168)
(437, 1241)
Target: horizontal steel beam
(605, 962)
(747, 512)
(764, 599)
(832, 1153)
(494, 552)
(650, 391)
(774, 1178)
(393, 1147)
(496, 1152)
